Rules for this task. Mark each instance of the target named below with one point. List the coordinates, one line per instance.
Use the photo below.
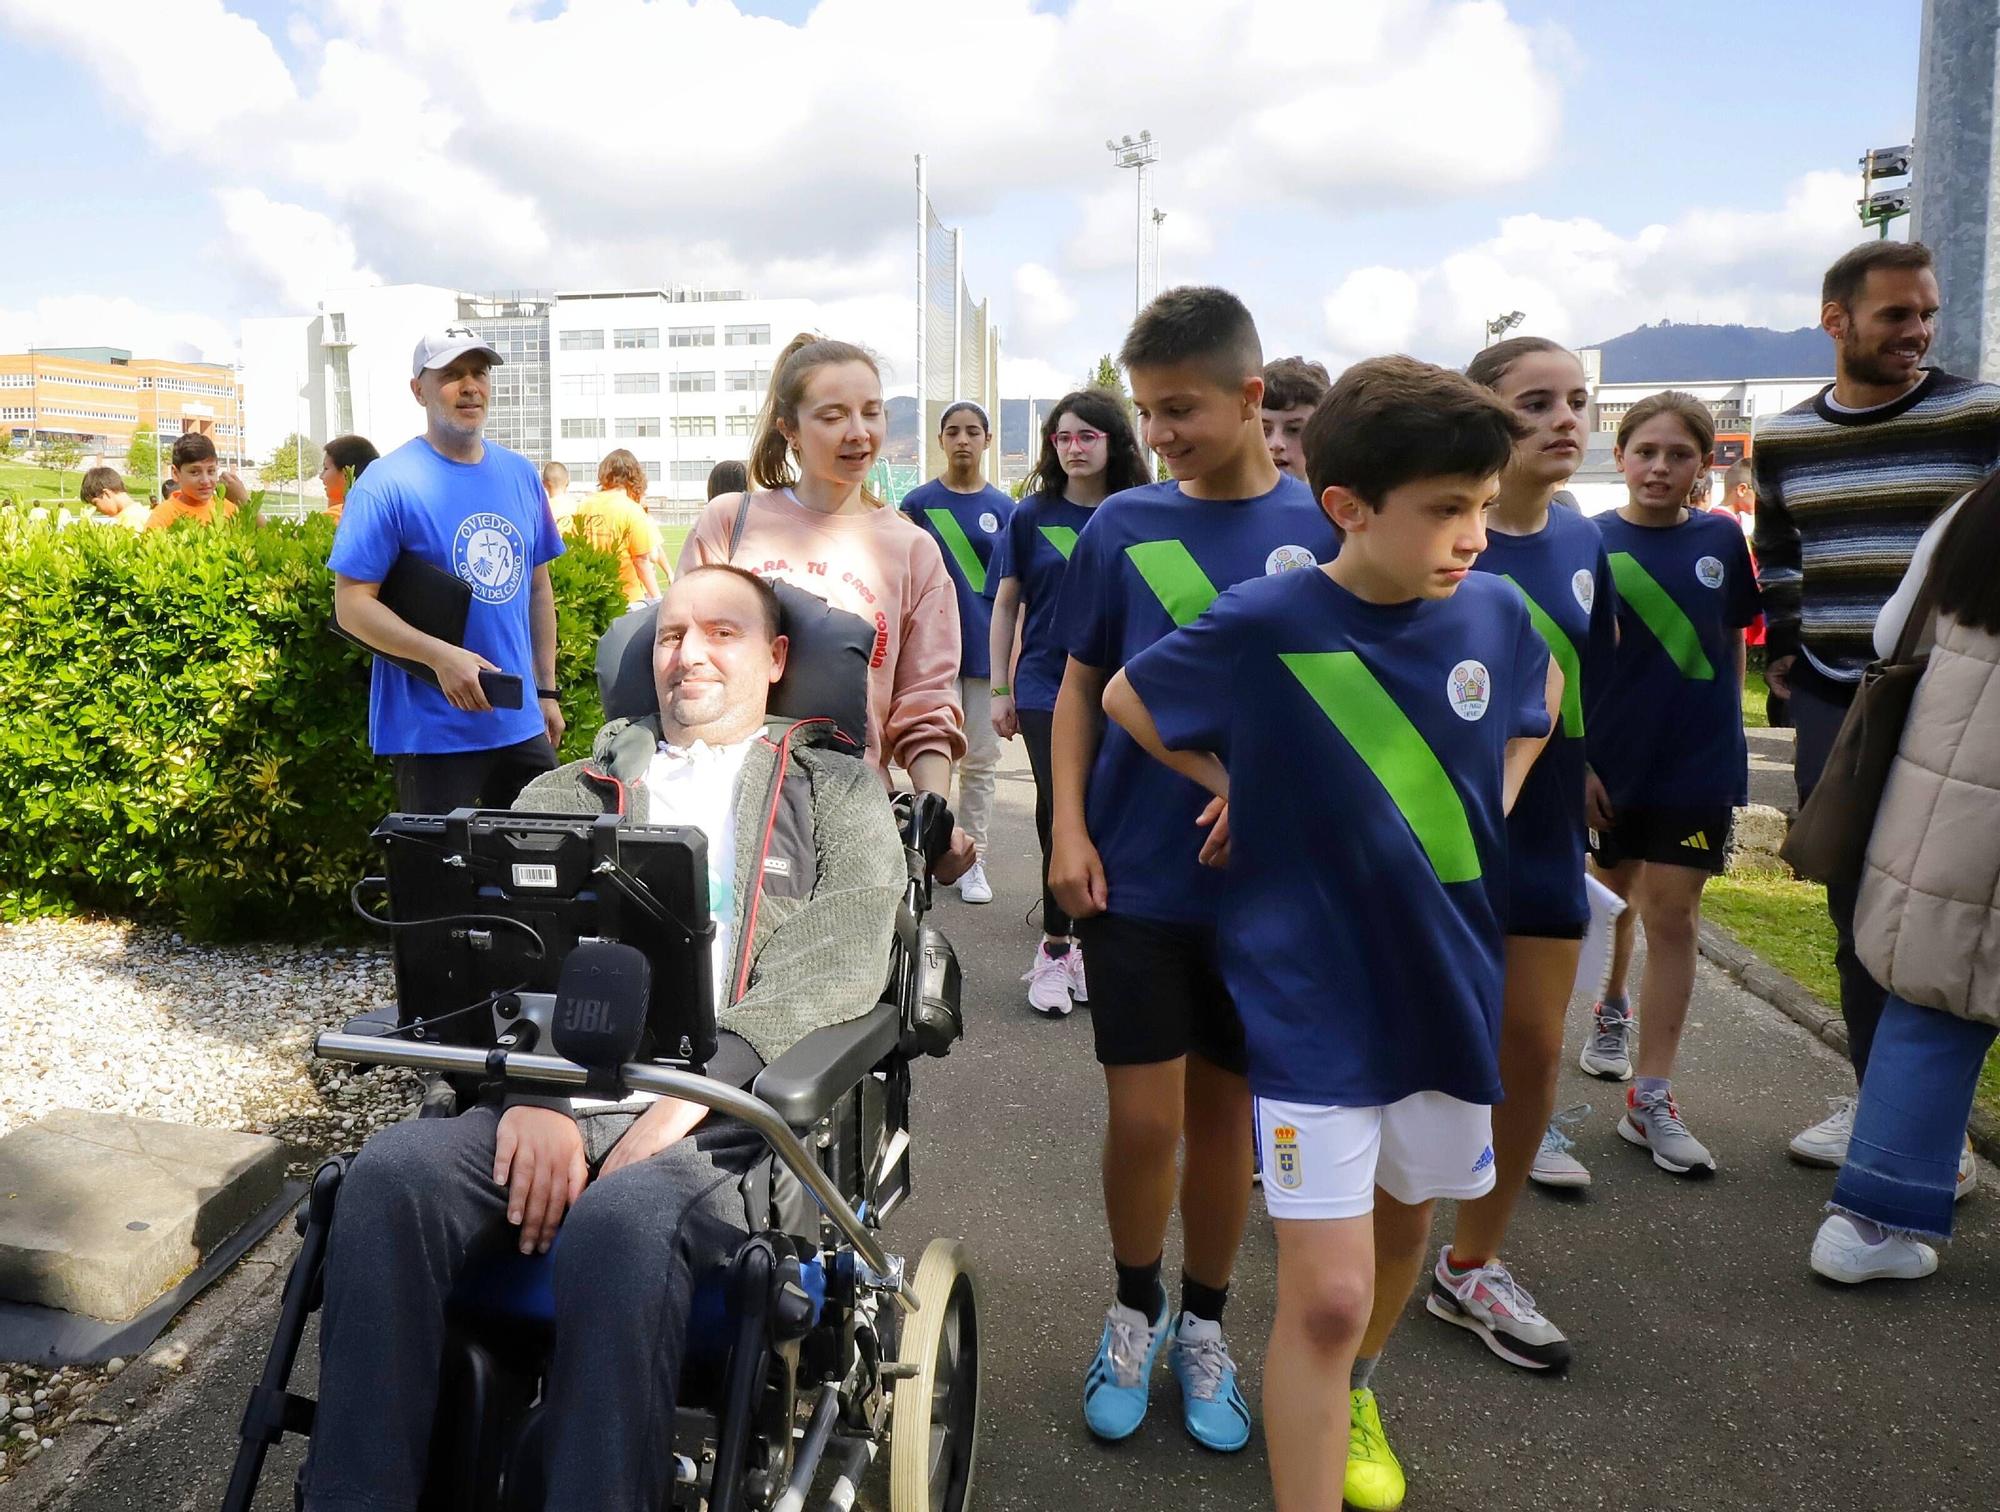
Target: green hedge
(182, 736)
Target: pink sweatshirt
(885, 569)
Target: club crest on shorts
(989, 522)
(1709, 571)
(1470, 689)
(1285, 1152)
(1584, 586)
(1288, 559)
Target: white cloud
(1032, 377)
(1579, 282)
(91, 320)
(1041, 303)
(297, 253)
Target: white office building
(674, 376)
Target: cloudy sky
(1370, 175)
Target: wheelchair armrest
(806, 1081)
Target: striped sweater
(1842, 500)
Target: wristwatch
(548, 693)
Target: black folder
(436, 602)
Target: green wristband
(1000, 692)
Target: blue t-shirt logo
(1288, 559)
(1470, 690)
(487, 553)
(1584, 585)
(1709, 571)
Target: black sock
(1205, 1302)
(1139, 1289)
(1057, 949)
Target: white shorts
(1322, 1162)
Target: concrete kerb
(254, 1281)
(1761, 979)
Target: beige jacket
(1928, 923)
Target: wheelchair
(813, 1350)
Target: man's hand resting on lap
(538, 1157)
(662, 1124)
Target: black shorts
(1692, 837)
(1156, 993)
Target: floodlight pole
(1142, 154)
(1955, 179)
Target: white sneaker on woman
(1825, 1143)
(973, 886)
(1842, 1253)
(1048, 982)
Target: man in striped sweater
(1846, 484)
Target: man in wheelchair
(806, 873)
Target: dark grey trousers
(416, 1200)
(1819, 705)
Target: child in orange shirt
(197, 481)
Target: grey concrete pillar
(1956, 178)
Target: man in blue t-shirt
(1127, 838)
(478, 511)
(967, 517)
(1367, 725)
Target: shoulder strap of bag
(742, 519)
(1922, 612)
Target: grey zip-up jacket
(819, 871)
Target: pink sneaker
(1048, 979)
(1079, 990)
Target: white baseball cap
(443, 348)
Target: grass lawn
(1754, 694)
(1784, 920)
(673, 537)
(34, 485)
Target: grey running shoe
(1654, 1123)
(1607, 1052)
(1489, 1302)
(1554, 1165)
(1825, 1143)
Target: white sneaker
(973, 886)
(1825, 1143)
(1968, 1172)
(1047, 977)
(1554, 1165)
(1079, 989)
(1839, 1253)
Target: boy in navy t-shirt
(967, 516)
(478, 511)
(1368, 725)
(1128, 840)
(1666, 740)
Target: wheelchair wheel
(934, 1429)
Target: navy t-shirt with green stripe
(1151, 560)
(1564, 579)
(1035, 551)
(1666, 730)
(1366, 893)
(967, 529)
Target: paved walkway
(1712, 1369)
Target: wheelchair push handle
(719, 1097)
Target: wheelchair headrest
(826, 668)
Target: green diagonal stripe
(1563, 649)
(1666, 619)
(1061, 537)
(943, 522)
(1175, 577)
(1383, 737)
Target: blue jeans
(1909, 1126)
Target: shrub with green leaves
(184, 737)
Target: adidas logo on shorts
(1696, 841)
(1485, 1159)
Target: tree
(62, 454)
(1108, 378)
(6, 446)
(142, 460)
(296, 457)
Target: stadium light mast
(1142, 155)
(1500, 325)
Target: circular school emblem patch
(989, 522)
(1470, 689)
(1709, 571)
(1288, 559)
(488, 553)
(1584, 586)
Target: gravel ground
(129, 1019)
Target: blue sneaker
(1116, 1386)
(1216, 1414)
